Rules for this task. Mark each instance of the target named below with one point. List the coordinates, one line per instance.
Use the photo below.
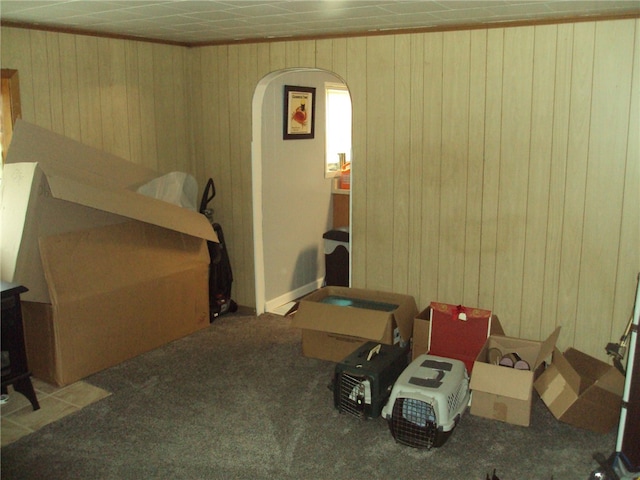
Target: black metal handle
(207, 195)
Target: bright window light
(338, 117)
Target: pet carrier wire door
(363, 381)
(427, 401)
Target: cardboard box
(582, 391)
(420, 338)
(464, 351)
(503, 393)
(332, 331)
(111, 273)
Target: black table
(15, 371)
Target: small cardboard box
(331, 331)
(111, 273)
(464, 351)
(582, 391)
(503, 393)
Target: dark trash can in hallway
(336, 256)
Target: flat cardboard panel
(561, 368)
(39, 339)
(57, 153)
(586, 367)
(507, 382)
(344, 321)
(328, 346)
(130, 204)
(53, 185)
(120, 256)
(420, 336)
(98, 332)
(557, 394)
(90, 328)
(498, 407)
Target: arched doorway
(291, 196)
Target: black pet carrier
(363, 381)
(427, 401)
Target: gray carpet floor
(239, 401)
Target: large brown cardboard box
(582, 391)
(503, 393)
(332, 331)
(111, 273)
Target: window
(338, 127)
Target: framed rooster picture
(299, 112)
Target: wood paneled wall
(496, 168)
(125, 97)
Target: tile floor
(19, 418)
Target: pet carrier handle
(373, 352)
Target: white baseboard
(281, 305)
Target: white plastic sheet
(178, 188)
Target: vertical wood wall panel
(400, 167)
(357, 74)
(307, 53)
(557, 176)
(574, 188)
(493, 167)
(324, 54)
(277, 56)
(629, 253)
(431, 148)
(221, 124)
(605, 179)
(239, 115)
(16, 54)
(380, 201)
(113, 97)
(41, 91)
(537, 209)
(55, 82)
(514, 160)
(339, 64)
(248, 73)
(415, 169)
(69, 86)
(475, 167)
(453, 166)
(491, 172)
(89, 91)
(145, 84)
(132, 99)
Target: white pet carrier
(427, 401)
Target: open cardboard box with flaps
(111, 273)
